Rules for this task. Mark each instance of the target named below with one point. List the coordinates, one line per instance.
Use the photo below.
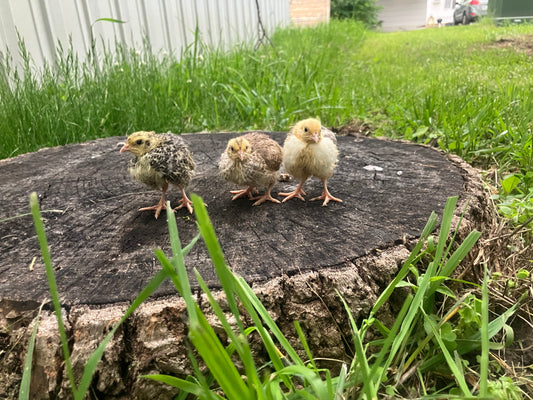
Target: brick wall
(309, 12)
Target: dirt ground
(521, 44)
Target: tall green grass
(451, 87)
(427, 336)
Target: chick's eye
(139, 142)
(306, 130)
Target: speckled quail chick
(160, 159)
(252, 160)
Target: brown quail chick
(310, 150)
(252, 160)
(160, 159)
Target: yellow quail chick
(310, 150)
(160, 159)
(252, 160)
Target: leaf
(117, 21)
(510, 183)
(522, 274)
(421, 131)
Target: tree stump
(294, 254)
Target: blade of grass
(232, 285)
(484, 332)
(258, 312)
(319, 387)
(182, 384)
(369, 387)
(429, 227)
(391, 336)
(445, 226)
(456, 230)
(459, 254)
(303, 342)
(217, 359)
(453, 310)
(413, 314)
(341, 382)
(96, 356)
(465, 346)
(215, 252)
(178, 262)
(444, 233)
(447, 356)
(240, 343)
(201, 333)
(24, 389)
(52, 284)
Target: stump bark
(295, 254)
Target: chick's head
(238, 149)
(308, 130)
(140, 143)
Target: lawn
(467, 90)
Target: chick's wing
(174, 160)
(266, 148)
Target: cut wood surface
(295, 254)
(102, 246)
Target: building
(397, 15)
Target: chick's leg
(249, 191)
(265, 197)
(326, 195)
(298, 192)
(159, 206)
(184, 201)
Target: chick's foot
(298, 192)
(263, 198)
(184, 202)
(326, 196)
(249, 191)
(158, 207)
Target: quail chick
(160, 159)
(252, 160)
(310, 150)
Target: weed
(425, 342)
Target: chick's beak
(315, 137)
(241, 155)
(124, 148)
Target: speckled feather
(260, 167)
(170, 161)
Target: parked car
(469, 11)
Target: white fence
(169, 25)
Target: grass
(425, 330)
(449, 87)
